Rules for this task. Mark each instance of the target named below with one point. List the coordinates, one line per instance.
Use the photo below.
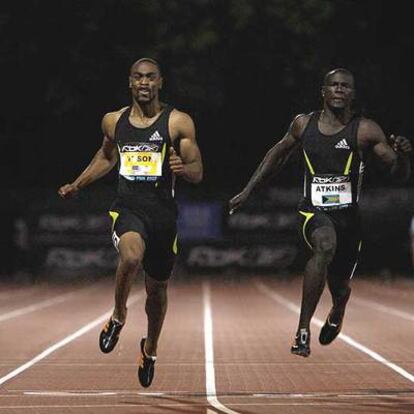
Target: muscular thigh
(162, 246)
(348, 245)
(131, 247)
(317, 230)
(125, 221)
(154, 227)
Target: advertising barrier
(74, 238)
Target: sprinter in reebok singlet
(143, 156)
(335, 144)
(145, 200)
(152, 143)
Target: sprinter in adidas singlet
(335, 143)
(152, 143)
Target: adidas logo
(342, 144)
(156, 136)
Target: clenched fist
(237, 201)
(68, 191)
(401, 144)
(176, 163)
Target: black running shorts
(156, 222)
(347, 225)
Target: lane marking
(98, 364)
(91, 393)
(209, 353)
(254, 404)
(73, 406)
(238, 395)
(101, 319)
(36, 306)
(317, 395)
(266, 290)
(71, 393)
(386, 309)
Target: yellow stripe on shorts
(175, 246)
(308, 216)
(114, 215)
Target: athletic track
(224, 349)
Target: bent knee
(327, 248)
(324, 243)
(155, 287)
(131, 261)
(339, 289)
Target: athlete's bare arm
(188, 163)
(395, 157)
(273, 161)
(103, 161)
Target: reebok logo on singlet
(342, 144)
(142, 147)
(155, 136)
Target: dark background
(242, 69)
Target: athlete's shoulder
(368, 126)
(369, 131)
(180, 119)
(114, 115)
(302, 119)
(299, 124)
(180, 116)
(181, 125)
(110, 120)
(367, 123)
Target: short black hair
(150, 60)
(337, 70)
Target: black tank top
(143, 157)
(333, 167)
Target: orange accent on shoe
(140, 361)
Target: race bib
(330, 191)
(141, 160)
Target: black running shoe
(333, 325)
(302, 343)
(146, 366)
(330, 331)
(109, 335)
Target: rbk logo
(140, 147)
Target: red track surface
(253, 323)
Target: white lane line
(131, 405)
(64, 342)
(332, 395)
(91, 393)
(188, 394)
(209, 354)
(36, 306)
(70, 394)
(332, 404)
(382, 308)
(374, 355)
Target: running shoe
(146, 366)
(330, 330)
(333, 325)
(109, 335)
(302, 343)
